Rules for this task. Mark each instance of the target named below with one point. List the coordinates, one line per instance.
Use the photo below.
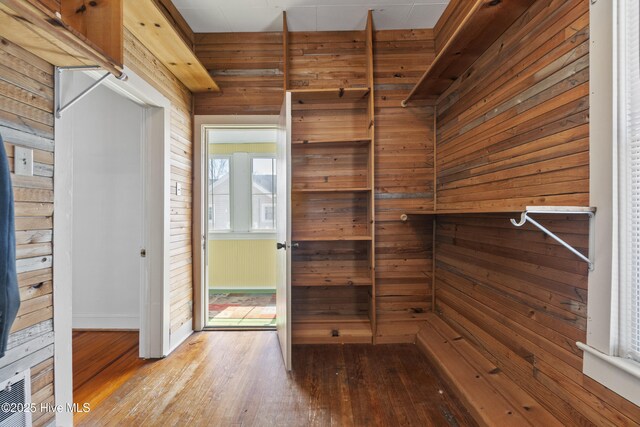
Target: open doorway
(112, 240)
(241, 241)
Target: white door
(283, 230)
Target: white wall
(107, 208)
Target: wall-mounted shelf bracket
(59, 70)
(563, 210)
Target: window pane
(263, 196)
(219, 194)
(629, 345)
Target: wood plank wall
(403, 182)
(327, 59)
(521, 298)
(26, 120)
(451, 19)
(248, 69)
(513, 130)
(251, 83)
(142, 62)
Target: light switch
(23, 161)
(178, 189)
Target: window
(613, 306)
(263, 193)
(629, 186)
(219, 193)
(242, 196)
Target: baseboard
(178, 337)
(105, 321)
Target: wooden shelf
(360, 279)
(332, 190)
(484, 24)
(44, 34)
(530, 209)
(331, 329)
(146, 20)
(338, 141)
(329, 95)
(330, 318)
(331, 238)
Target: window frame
(252, 157)
(210, 196)
(605, 64)
(240, 162)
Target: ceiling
(215, 16)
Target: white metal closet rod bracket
(61, 108)
(524, 218)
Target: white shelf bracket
(524, 218)
(61, 108)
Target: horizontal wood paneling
(248, 69)
(26, 120)
(403, 182)
(521, 299)
(327, 59)
(513, 131)
(142, 61)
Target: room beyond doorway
(241, 245)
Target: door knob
(281, 245)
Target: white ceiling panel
(341, 18)
(206, 4)
(210, 20)
(248, 19)
(425, 15)
(301, 18)
(308, 15)
(390, 17)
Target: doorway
(111, 256)
(241, 244)
(282, 125)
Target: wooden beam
(150, 25)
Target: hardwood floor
(237, 379)
(102, 362)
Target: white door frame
(154, 297)
(199, 242)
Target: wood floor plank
(238, 379)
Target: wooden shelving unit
(486, 21)
(333, 224)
